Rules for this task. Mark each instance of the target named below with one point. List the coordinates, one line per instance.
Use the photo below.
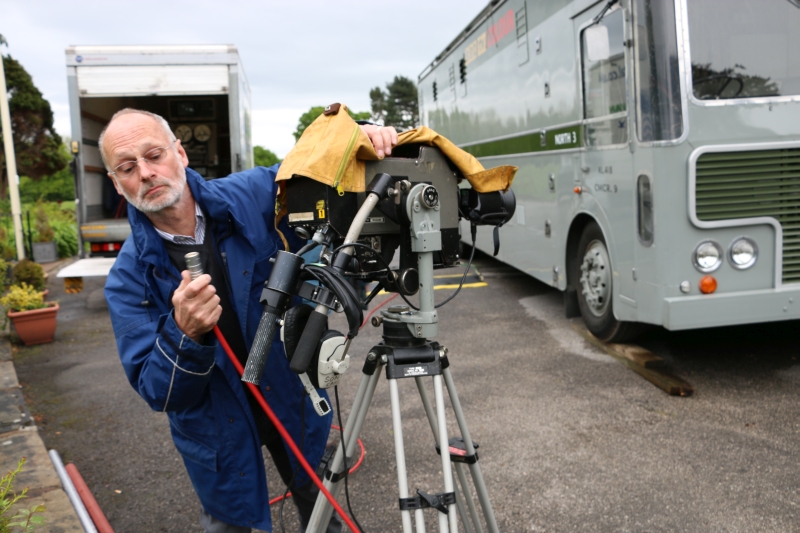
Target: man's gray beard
(165, 200)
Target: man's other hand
(196, 304)
(381, 137)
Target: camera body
(313, 205)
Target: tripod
(406, 353)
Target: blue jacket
(197, 386)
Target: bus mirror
(597, 46)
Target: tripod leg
(400, 456)
(426, 403)
(323, 510)
(428, 406)
(452, 516)
(475, 469)
(462, 478)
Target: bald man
(163, 319)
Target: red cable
(99, 519)
(285, 434)
(355, 467)
(386, 301)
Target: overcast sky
(296, 54)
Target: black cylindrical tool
(277, 293)
(315, 327)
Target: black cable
(361, 245)
(412, 306)
(307, 248)
(358, 245)
(344, 460)
(469, 264)
(344, 292)
(373, 294)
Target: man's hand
(381, 137)
(197, 307)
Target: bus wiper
(608, 6)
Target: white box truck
(201, 90)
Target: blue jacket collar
(148, 241)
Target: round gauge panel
(184, 133)
(202, 133)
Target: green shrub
(66, 235)
(60, 217)
(23, 297)
(27, 519)
(8, 245)
(3, 274)
(26, 271)
(44, 232)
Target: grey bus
(658, 146)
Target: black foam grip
(262, 344)
(304, 353)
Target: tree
(397, 106)
(377, 100)
(311, 115)
(36, 143)
(60, 186)
(264, 157)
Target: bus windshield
(744, 48)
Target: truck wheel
(592, 277)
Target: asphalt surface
(570, 440)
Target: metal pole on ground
(72, 493)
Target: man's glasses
(128, 169)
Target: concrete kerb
(19, 437)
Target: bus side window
(658, 90)
(604, 82)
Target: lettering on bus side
(605, 187)
(569, 137)
(491, 37)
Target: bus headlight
(707, 256)
(743, 253)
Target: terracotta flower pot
(37, 326)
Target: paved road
(570, 439)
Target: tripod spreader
(423, 500)
(458, 451)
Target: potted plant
(34, 319)
(26, 271)
(44, 247)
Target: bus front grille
(764, 183)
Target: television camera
(413, 203)
(313, 207)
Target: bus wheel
(592, 276)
